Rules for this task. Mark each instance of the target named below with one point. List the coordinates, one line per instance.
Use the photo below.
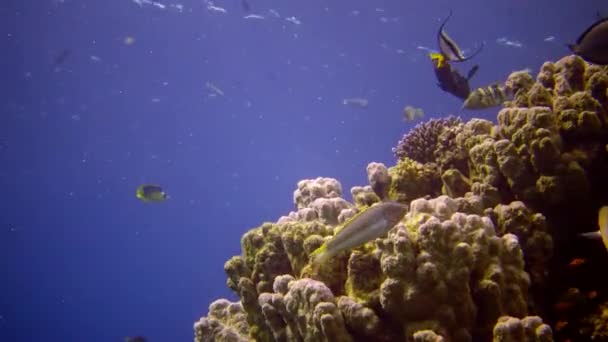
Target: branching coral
(420, 143)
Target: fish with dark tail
(449, 79)
(448, 47)
(592, 45)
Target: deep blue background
(81, 259)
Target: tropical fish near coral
(448, 46)
(487, 97)
(449, 79)
(411, 113)
(602, 233)
(151, 193)
(592, 45)
(366, 226)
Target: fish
(214, 89)
(410, 113)
(449, 79)
(135, 339)
(602, 233)
(592, 45)
(151, 193)
(487, 97)
(245, 6)
(62, 57)
(356, 101)
(448, 46)
(577, 262)
(366, 226)
(560, 325)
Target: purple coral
(421, 141)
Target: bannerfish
(151, 193)
(449, 79)
(448, 46)
(592, 45)
(366, 226)
(602, 233)
(487, 97)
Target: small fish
(366, 226)
(449, 79)
(592, 45)
(487, 97)
(151, 193)
(602, 233)
(410, 113)
(592, 294)
(448, 46)
(245, 6)
(62, 57)
(560, 325)
(214, 89)
(577, 262)
(356, 101)
(135, 339)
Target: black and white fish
(448, 46)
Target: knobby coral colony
(488, 250)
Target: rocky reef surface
(484, 252)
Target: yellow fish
(366, 226)
(151, 193)
(602, 233)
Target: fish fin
(474, 53)
(472, 72)
(572, 47)
(319, 255)
(591, 235)
(440, 58)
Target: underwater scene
(277, 171)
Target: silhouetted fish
(592, 45)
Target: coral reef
(494, 211)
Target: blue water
(81, 259)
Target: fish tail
(591, 235)
(319, 255)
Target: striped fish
(487, 97)
(448, 46)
